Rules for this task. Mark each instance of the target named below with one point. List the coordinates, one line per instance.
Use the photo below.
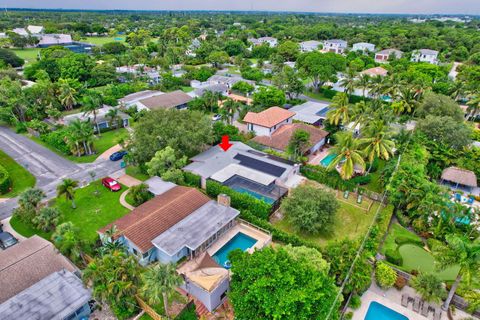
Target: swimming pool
(377, 311)
(239, 241)
(254, 194)
(327, 160)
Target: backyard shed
(459, 176)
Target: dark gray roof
(216, 88)
(196, 228)
(166, 100)
(54, 297)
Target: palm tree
(429, 287)
(347, 152)
(114, 117)
(159, 280)
(67, 188)
(377, 142)
(406, 100)
(210, 100)
(339, 112)
(67, 93)
(460, 252)
(473, 106)
(91, 102)
(363, 82)
(228, 110)
(349, 82)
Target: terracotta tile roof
(166, 100)
(460, 176)
(377, 71)
(28, 262)
(269, 117)
(279, 139)
(156, 216)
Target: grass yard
(351, 222)
(93, 212)
(352, 200)
(99, 41)
(101, 144)
(136, 173)
(317, 95)
(20, 177)
(27, 54)
(397, 231)
(187, 89)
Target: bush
(191, 179)
(362, 180)
(400, 283)
(10, 58)
(402, 239)
(348, 315)
(355, 302)
(394, 256)
(140, 194)
(329, 178)
(56, 139)
(240, 201)
(5, 181)
(385, 275)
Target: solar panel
(260, 165)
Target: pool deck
(315, 159)
(263, 239)
(391, 298)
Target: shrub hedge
(191, 179)
(329, 178)
(401, 239)
(394, 256)
(240, 201)
(5, 181)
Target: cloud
(344, 6)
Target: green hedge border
(5, 181)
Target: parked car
(216, 117)
(111, 184)
(7, 240)
(118, 155)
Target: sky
(471, 7)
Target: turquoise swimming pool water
(239, 241)
(254, 194)
(377, 311)
(327, 160)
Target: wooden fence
(148, 310)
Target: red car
(111, 184)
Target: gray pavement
(48, 167)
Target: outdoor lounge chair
(458, 197)
(425, 309)
(437, 314)
(416, 304)
(405, 300)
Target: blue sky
(347, 6)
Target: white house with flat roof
(309, 46)
(272, 42)
(335, 45)
(363, 46)
(310, 112)
(425, 55)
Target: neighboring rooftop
(216, 88)
(151, 219)
(280, 139)
(55, 297)
(461, 176)
(269, 117)
(166, 100)
(158, 186)
(390, 51)
(134, 97)
(427, 52)
(28, 262)
(50, 39)
(310, 112)
(376, 71)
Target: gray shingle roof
(53, 298)
(166, 100)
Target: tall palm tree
(347, 153)
(228, 110)
(349, 82)
(67, 93)
(363, 82)
(91, 102)
(159, 280)
(210, 100)
(377, 142)
(429, 286)
(376, 86)
(406, 100)
(114, 117)
(460, 252)
(340, 110)
(67, 188)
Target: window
(134, 251)
(145, 255)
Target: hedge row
(5, 181)
(326, 177)
(240, 201)
(191, 179)
(393, 256)
(400, 239)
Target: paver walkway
(123, 202)
(129, 181)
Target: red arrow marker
(225, 145)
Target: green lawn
(187, 89)
(28, 54)
(396, 230)
(102, 40)
(416, 258)
(93, 212)
(317, 95)
(101, 144)
(136, 173)
(350, 223)
(20, 177)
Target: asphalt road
(48, 167)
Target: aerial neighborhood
(239, 165)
